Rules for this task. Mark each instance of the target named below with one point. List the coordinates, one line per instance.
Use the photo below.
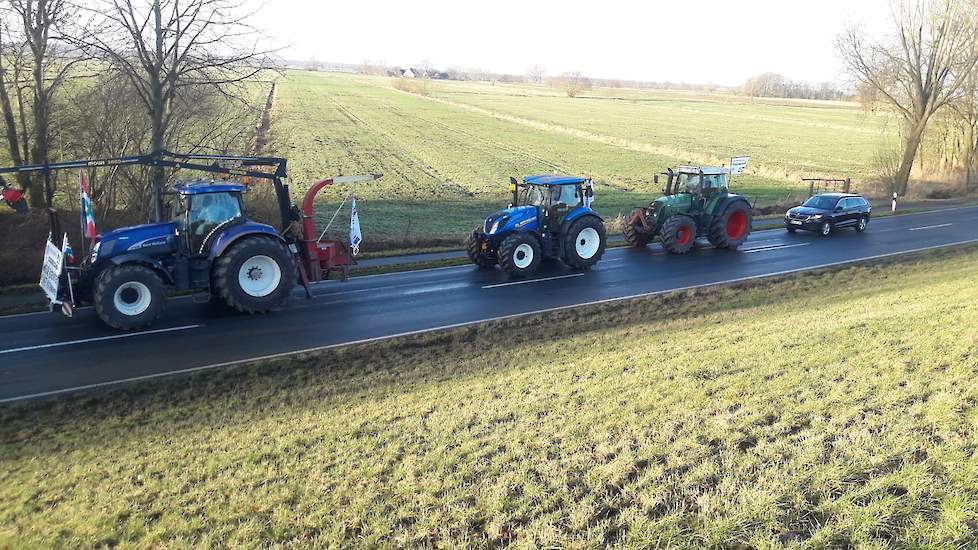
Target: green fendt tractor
(696, 203)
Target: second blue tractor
(550, 218)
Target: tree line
(109, 78)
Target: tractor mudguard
(142, 259)
(234, 233)
(581, 211)
(725, 202)
(575, 215)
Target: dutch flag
(87, 211)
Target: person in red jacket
(13, 197)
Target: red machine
(320, 256)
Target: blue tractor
(550, 217)
(208, 246)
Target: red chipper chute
(321, 256)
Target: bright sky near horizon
(694, 41)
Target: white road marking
(476, 322)
(99, 339)
(931, 227)
(772, 248)
(528, 281)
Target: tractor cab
(202, 207)
(553, 197)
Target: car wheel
(791, 230)
(862, 225)
(825, 229)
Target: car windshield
(533, 195)
(822, 202)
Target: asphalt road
(45, 354)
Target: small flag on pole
(355, 237)
(88, 213)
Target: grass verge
(828, 409)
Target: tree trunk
(911, 144)
(157, 113)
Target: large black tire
(264, 266)
(473, 246)
(678, 234)
(584, 242)
(519, 254)
(128, 297)
(634, 237)
(731, 229)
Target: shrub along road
(45, 354)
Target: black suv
(827, 212)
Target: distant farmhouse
(418, 73)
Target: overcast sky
(696, 41)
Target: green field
(446, 156)
(827, 410)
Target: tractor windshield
(688, 183)
(564, 194)
(210, 210)
(533, 195)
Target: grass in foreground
(825, 410)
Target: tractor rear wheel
(256, 275)
(520, 254)
(678, 234)
(634, 237)
(473, 246)
(584, 242)
(730, 229)
(129, 296)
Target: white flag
(355, 237)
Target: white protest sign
(51, 271)
(738, 165)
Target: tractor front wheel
(585, 242)
(678, 234)
(129, 297)
(256, 275)
(731, 229)
(520, 255)
(634, 237)
(473, 246)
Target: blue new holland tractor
(208, 245)
(550, 217)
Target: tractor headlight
(497, 224)
(95, 250)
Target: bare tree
(169, 48)
(573, 83)
(535, 74)
(919, 70)
(41, 27)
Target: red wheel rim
(683, 235)
(737, 225)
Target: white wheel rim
(259, 276)
(132, 298)
(587, 243)
(523, 256)
(862, 223)
(826, 229)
